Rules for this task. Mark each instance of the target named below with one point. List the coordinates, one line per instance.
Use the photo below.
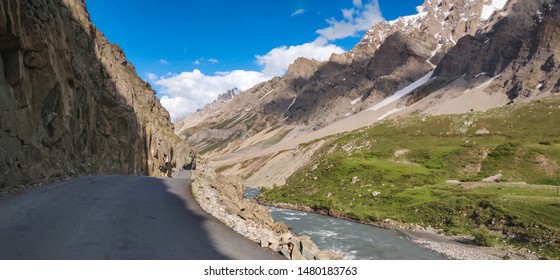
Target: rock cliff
(70, 102)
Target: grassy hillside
(427, 170)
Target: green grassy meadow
(427, 170)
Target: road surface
(117, 217)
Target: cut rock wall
(70, 102)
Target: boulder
(280, 227)
(285, 251)
(493, 179)
(286, 238)
(264, 243)
(298, 256)
(308, 248)
(482, 131)
(324, 255)
(274, 243)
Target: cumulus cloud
(360, 18)
(298, 12)
(163, 61)
(276, 61)
(213, 60)
(189, 91)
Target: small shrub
(485, 237)
(505, 150)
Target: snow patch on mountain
(403, 92)
(488, 10)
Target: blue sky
(190, 51)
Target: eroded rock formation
(70, 102)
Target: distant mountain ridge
(483, 54)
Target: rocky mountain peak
(302, 68)
(228, 95)
(446, 21)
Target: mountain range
(454, 56)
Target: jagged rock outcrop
(519, 51)
(70, 102)
(302, 68)
(228, 95)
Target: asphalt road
(117, 217)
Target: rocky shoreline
(452, 247)
(223, 198)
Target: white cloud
(361, 18)
(151, 77)
(298, 12)
(177, 107)
(276, 61)
(201, 60)
(163, 61)
(189, 91)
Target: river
(354, 241)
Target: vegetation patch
(358, 175)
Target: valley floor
(455, 173)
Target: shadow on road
(105, 217)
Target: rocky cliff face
(70, 102)
(516, 56)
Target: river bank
(223, 198)
(452, 247)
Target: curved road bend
(117, 217)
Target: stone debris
(223, 198)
